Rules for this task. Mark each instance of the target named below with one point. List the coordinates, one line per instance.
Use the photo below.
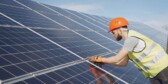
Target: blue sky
(150, 12)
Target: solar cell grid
(73, 42)
(101, 40)
(38, 60)
(10, 3)
(13, 58)
(89, 27)
(35, 6)
(101, 20)
(5, 21)
(54, 15)
(75, 18)
(66, 22)
(68, 75)
(55, 22)
(27, 17)
(98, 26)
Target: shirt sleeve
(130, 43)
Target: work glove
(99, 64)
(96, 59)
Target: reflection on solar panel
(40, 43)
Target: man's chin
(118, 39)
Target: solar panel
(79, 19)
(67, 75)
(9, 3)
(21, 47)
(27, 17)
(5, 22)
(41, 44)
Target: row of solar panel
(23, 52)
(29, 62)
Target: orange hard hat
(117, 23)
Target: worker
(148, 56)
(100, 75)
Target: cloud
(86, 8)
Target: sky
(151, 12)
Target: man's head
(117, 27)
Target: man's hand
(96, 59)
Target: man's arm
(123, 62)
(121, 59)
